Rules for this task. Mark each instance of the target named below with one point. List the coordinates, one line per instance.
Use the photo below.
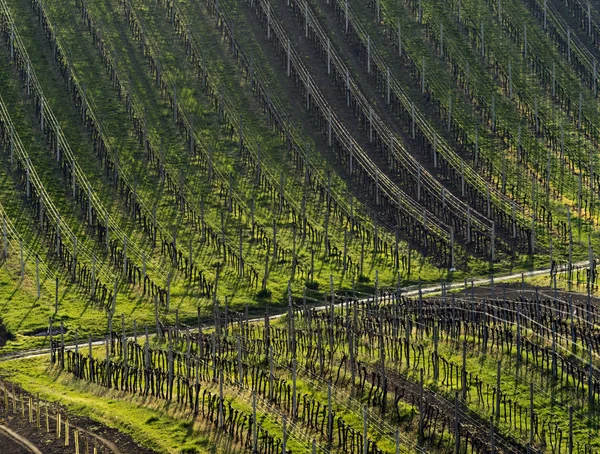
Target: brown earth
(91, 433)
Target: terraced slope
(177, 162)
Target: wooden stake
(525, 41)
(93, 276)
(450, 112)
(284, 436)
(456, 426)
(346, 16)
(56, 296)
(569, 45)
(328, 57)
(364, 414)
(412, 108)
(67, 437)
(421, 409)
(399, 27)
(475, 159)
(306, 20)
(580, 109)
(498, 376)
(12, 144)
(42, 114)
(329, 416)
(4, 238)
(482, 41)
(531, 414)
(329, 128)
(387, 85)
(22, 261)
(492, 438)
(254, 424)
(289, 58)
(510, 87)
(37, 411)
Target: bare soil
(91, 433)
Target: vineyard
(288, 226)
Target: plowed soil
(91, 433)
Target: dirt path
(406, 291)
(18, 431)
(118, 442)
(15, 443)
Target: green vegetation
(207, 160)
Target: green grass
(181, 90)
(86, 62)
(83, 316)
(156, 425)
(165, 426)
(481, 81)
